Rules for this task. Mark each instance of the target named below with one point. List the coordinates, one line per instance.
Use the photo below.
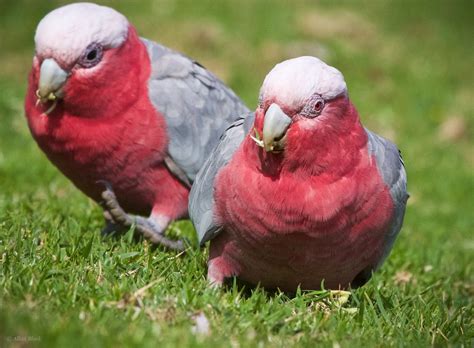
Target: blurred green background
(408, 67)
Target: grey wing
(201, 198)
(196, 105)
(392, 169)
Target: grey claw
(112, 229)
(159, 239)
(108, 217)
(114, 214)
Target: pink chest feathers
(291, 229)
(125, 150)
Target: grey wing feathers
(201, 198)
(392, 170)
(196, 105)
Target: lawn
(408, 66)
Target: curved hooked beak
(51, 81)
(275, 125)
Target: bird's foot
(111, 228)
(117, 218)
(219, 271)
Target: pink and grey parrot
(107, 106)
(299, 193)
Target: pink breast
(128, 157)
(289, 231)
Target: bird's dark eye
(313, 107)
(91, 56)
(318, 106)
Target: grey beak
(275, 125)
(52, 79)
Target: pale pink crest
(293, 81)
(65, 33)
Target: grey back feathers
(392, 170)
(201, 198)
(196, 105)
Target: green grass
(408, 65)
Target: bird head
(84, 59)
(304, 111)
(297, 95)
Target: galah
(110, 108)
(299, 193)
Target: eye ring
(313, 107)
(91, 56)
